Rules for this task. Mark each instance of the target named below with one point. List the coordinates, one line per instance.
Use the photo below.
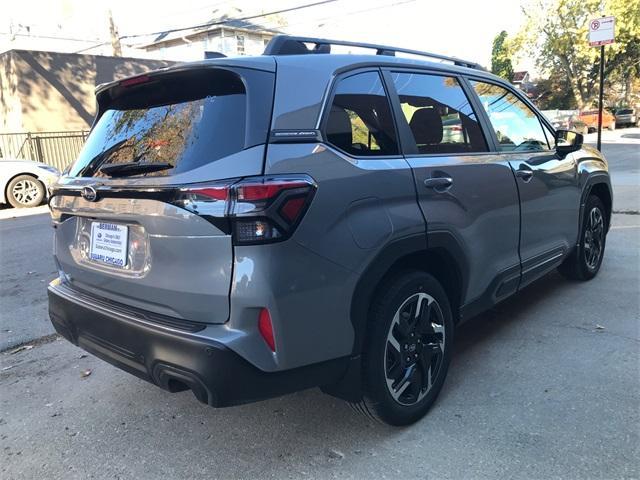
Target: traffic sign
(602, 31)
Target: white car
(24, 183)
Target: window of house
(360, 121)
(439, 114)
(516, 126)
(240, 44)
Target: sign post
(601, 33)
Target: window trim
(519, 96)
(403, 125)
(328, 101)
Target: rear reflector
(266, 328)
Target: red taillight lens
(266, 328)
(256, 209)
(263, 191)
(129, 82)
(214, 193)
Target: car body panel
(480, 210)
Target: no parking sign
(602, 31)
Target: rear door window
(439, 114)
(185, 123)
(359, 120)
(517, 127)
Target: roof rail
(292, 45)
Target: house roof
(519, 76)
(213, 25)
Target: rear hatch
(131, 224)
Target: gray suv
(250, 227)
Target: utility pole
(115, 37)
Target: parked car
(570, 122)
(24, 183)
(626, 117)
(590, 119)
(245, 231)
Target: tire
(25, 191)
(401, 382)
(585, 260)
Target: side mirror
(568, 141)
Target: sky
(462, 28)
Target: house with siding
(221, 35)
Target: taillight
(130, 82)
(256, 209)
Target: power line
(49, 37)
(354, 12)
(228, 20)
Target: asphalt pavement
(545, 385)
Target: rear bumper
(176, 360)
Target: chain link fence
(57, 149)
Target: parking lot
(545, 385)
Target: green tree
(500, 57)
(556, 35)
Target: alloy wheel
(25, 191)
(594, 238)
(414, 349)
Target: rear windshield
(625, 111)
(181, 123)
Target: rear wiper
(132, 168)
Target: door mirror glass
(568, 141)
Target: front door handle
(524, 174)
(439, 184)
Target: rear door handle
(439, 184)
(524, 174)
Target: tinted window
(185, 131)
(516, 126)
(439, 114)
(360, 121)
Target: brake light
(266, 328)
(129, 82)
(256, 209)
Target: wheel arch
(4, 193)
(437, 253)
(440, 255)
(598, 184)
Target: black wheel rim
(414, 349)
(593, 238)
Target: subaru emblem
(89, 194)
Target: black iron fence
(57, 149)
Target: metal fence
(58, 149)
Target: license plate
(109, 243)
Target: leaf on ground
(4, 369)
(20, 349)
(85, 373)
(337, 454)
(599, 327)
